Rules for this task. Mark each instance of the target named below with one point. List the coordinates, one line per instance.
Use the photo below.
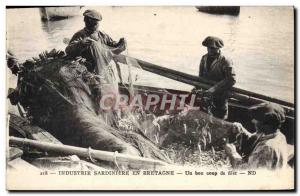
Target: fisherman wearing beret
(267, 147)
(81, 42)
(217, 68)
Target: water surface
(260, 41)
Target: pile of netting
(61, 96)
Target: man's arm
(228, 81)
(230, 149)
(115, 47)
(234, 157)
(201, 67)
(76, 46)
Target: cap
(93, 14)
(268, 113)
(213, 42)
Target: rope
(24, 142)
(90, 155)
(25, 147)
(115, 160)
(130, 81)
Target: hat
(268, 113)
(93, 14)
(213, 42)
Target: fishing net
(192, 128)
(58, 95)
(106, 70)
(61, 96)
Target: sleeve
(201, 67)
(229, 78)
(108, 40)
(75, 46)
(261, 157)
(116, 47)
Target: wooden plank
(133, 162)
(27, 130)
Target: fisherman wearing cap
(217, 68)
(98, 49)
(81, 42)
(267, 147)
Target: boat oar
(132, 162)
(237, 93)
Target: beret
(268, 113)
(213, 42)
(93, 14)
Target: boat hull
(238, 112)
(57, 13)
(228, 10)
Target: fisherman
(82, 42)
(217, 68)
(98, 49)
(267, 147)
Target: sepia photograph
(150, 98)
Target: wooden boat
(229, 10)
(20, 159)
(239, 103)
(58, 13)
(20, 127)
(238, 112)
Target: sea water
(260, 42)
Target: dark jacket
(220, 71)
(76, 48)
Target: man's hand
(207, 94)
(87, 41)
(238, 128)
(202, 93)
(234, 157)
(195, 90)
(230, 149)
(122, 41)
(210, 92)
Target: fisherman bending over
(267, 147)
(98, 49)
(82, 42)
(217, 68)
